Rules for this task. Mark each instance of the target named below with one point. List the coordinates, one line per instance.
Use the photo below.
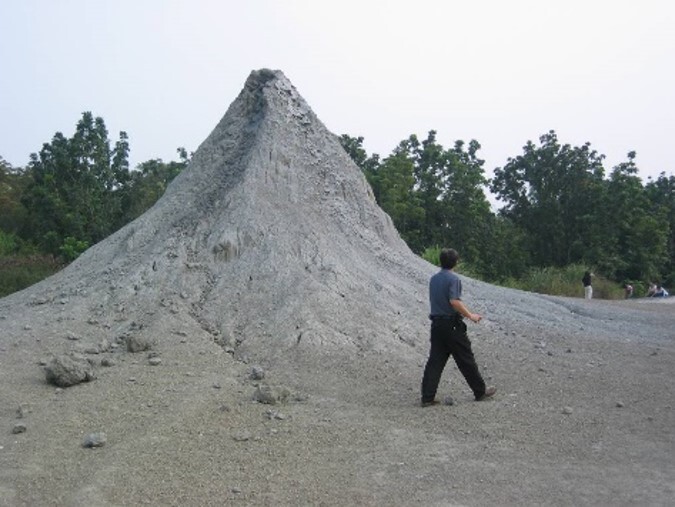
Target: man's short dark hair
(449, 258)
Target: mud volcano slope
(270, 240)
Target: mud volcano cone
(271, 240)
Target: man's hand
(464, 311)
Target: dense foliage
(559, 209)
(75, 192)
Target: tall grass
(564, 281)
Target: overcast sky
(501, 72)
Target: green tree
(465, 209)
(148, 183)
(429, 162)
(13, 182)
(549, 193)
(398, 198)
(505, 255)
(450, 188)
(434, 196)
(368, 164)
(76, 186)
(638, 250)
(661, 195)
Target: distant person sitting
(660, 292)
(652, 290)
(629, 290)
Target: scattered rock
(448, 400)
(620, 404)
(94, 440)
(271, 395)
(19, 428)
(274, 414)
(155, 361)
(137, 343)
(242, 436)
(22, 410)
(257, 373)
(567, 410)
(68, 370)
(100, 348)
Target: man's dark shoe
(430, 403)
(489, 393)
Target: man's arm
(460, 308)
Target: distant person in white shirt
(588, 287)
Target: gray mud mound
(268, 254)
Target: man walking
(448, 333)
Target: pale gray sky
(501, 72)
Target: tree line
(75, 192)
(559, 208)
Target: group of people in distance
(656, 290)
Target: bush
(72, 248)
(17, 273)
(10, 243)
(432, 254)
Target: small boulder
(94, 440)
(68, 370)
(257, 373)
(271, 395)
(19, 428)
(137, 343)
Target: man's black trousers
(449, 338)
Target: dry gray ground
(269, 251)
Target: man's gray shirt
(444, 286)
